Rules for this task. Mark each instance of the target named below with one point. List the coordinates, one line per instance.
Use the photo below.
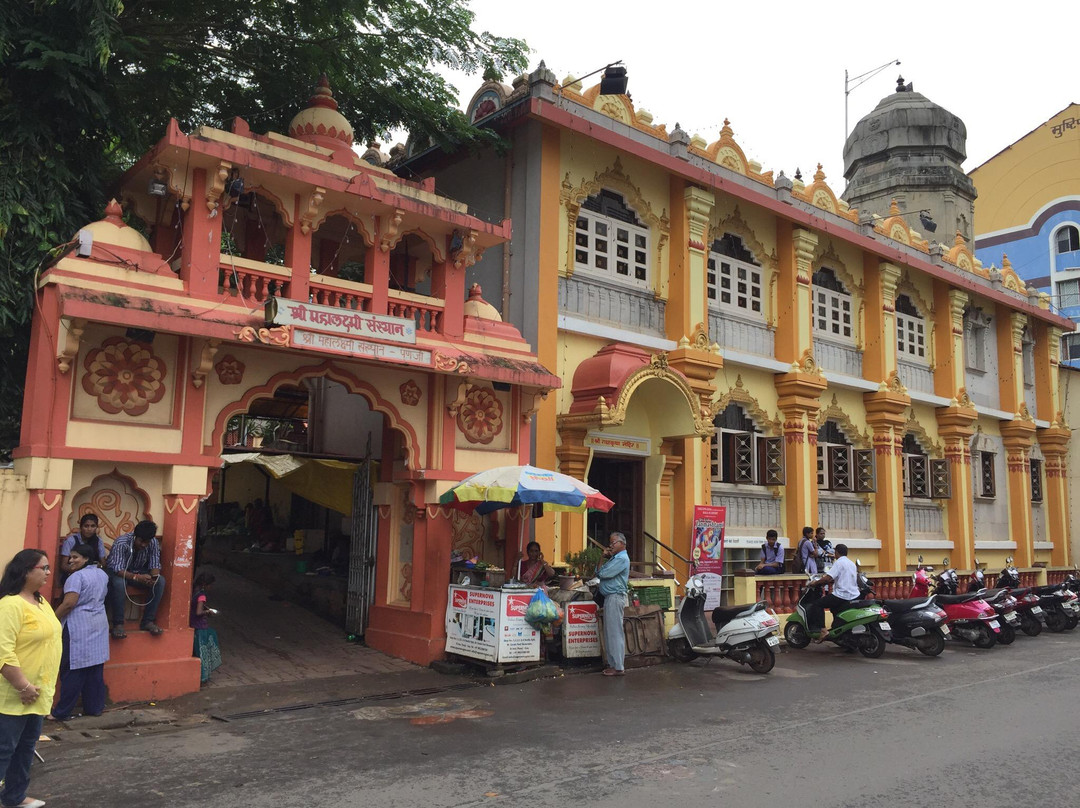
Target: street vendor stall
(488, 622)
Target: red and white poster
(707, 542)
(518, 641)
(581, 630)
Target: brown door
(621, 480)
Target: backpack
(797, 565)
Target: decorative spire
(114, 214)
(726, 131)
(323, 96)
(798, 174)
(894, 209)
(819, 175)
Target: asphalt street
(824, 728)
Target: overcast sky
(776, 68)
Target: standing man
(772, 556)
(614, 577)
(135, 560)
(844, 577)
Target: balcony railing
(328, 291)
(253, 281)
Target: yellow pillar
(573, 457)
(885, 410)
(686, 302)
(1054, 440)
(1018, 434)
(956, 422)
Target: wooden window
(985, 470)
(1036, 480)
(609, 240)
(742, 455)
(734, 278)
(1068, 293)
(865, 479)
(840, 467)
(910, 329)
(975, 329)
(1067, 239)
(832, 307)
(940, 479)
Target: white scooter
(746, 634)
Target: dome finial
(319, 122)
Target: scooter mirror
(945, 561)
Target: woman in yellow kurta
(30, 649)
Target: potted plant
(583, 564)
(262, 430)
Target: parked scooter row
(924, 621)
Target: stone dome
(112, 230)
(911, 151)
(320, 122)
(476, 306)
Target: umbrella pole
(521, 536)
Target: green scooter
(861, 627)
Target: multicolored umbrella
(515, 486)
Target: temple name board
(619, 444)
(350, 346)
(333, 320)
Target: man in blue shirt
(614, 577)
(135, 559)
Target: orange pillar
(1017, 434)
(1054, 440)
(200, 257)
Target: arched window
(924, 478)
(610, 240)
(840, 466)
(832, 306)
(734, 278)
(910, 329)
(1067, 239)
(741, 454)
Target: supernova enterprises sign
(342, 322)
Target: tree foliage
(86, 86)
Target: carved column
(949, 306)
(879, 358)
(200, 257)
(1054, 442)
(885, 415)
(956, 425)
(573, 457)
(686, 303)
(794, 296)
(177, 558)
(1017, 435)
(798, 393)
(669, 517)
(1010, 332)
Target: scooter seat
(953, 599)
(1020, 593)
(1052, 589)
(905, 605)
(862, 604)
(994, 595)
(724, 614)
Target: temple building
(731, 336)
(280, 304)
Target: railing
(253, 281)
(426, 311)
(1057, 576)
(736, 334)
(327, 291)
(782, 592)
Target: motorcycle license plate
(994, 624)
(1036, 610)
(945, 631)
(1072, 606)
(773, 640)
(1012, 617)
(885, 626)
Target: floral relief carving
(230, 370)
(126, 377)
(480, 417)
(410, 393)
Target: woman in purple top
(206, 646)
(86, 635)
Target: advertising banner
(518, 641)
(581, 630)
(707, 542)
(472, 619)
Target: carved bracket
(311, 212)
(538, 396)
(72, 338)
(463, 250)
(391, 234)
(216, 185)
(462, 393)
(206, 361)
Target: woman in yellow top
(30, 649)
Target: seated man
(844, 578)
(772, 556)
(135, 560)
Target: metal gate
(365, 529)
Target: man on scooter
(844, 577)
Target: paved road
(971, 727)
